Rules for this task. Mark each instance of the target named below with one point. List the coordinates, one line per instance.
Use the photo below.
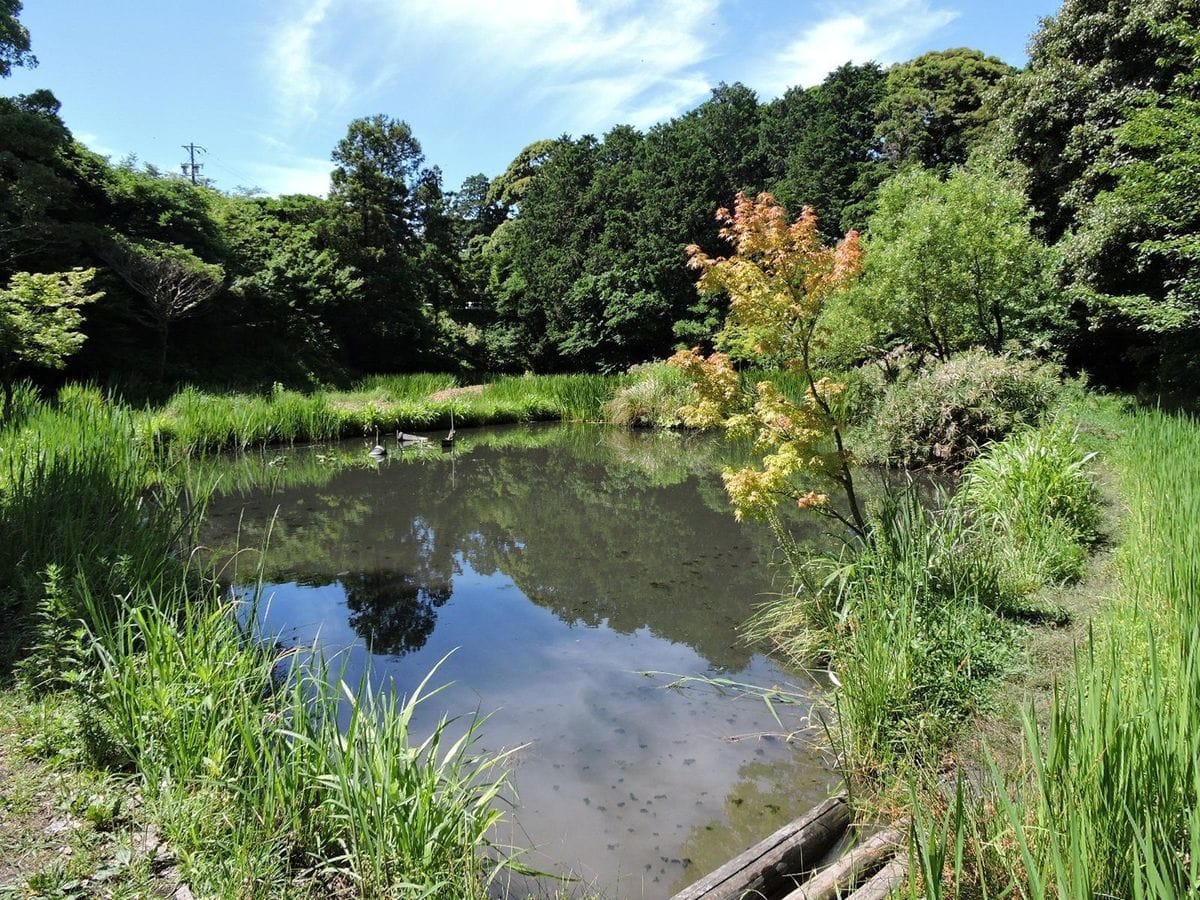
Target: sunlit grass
(267, 776)
(196, 422)
(1109, 805)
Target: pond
(556, 565)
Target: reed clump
(194, 422)
(918, 619)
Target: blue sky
(268, 86)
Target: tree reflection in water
(393, 612)
(596, 525)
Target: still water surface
(559, 564)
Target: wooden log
(771, 866)
(885, 881)
(838, 879)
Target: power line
(191, 168)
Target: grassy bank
(1108, 800)
(235, 753)
(193, 421)
(921, 620)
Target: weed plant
(259, 777)
(911, 621)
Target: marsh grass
(911, 622)
(1036, 490)
(1109, 801)
(194, 422)
(919, 619)
(77, 488)
(265, 767)
(652, 398)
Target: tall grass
(258, 780)
(1035, 490)
(196, 422)
(269, 778)
(77, 488)
(917, 620)
(1110, 804)
(910, 621)
(653, 398)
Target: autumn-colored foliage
(778, 281)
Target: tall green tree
(834, 162)
(38, 197)
(14, 39)
(936, 107)
(953, 264)
(379, 195)
(1089, 66)
(1135, 254)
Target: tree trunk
(839, 879)
(164, 343)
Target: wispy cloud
(305, 82)
(885, 31)
(299, 175)
(594, 63)
(95, 142)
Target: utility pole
(191, 168)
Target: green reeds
(1035, 489)
(653, 398)
(259, 779)
(196, 422)
(1108, 804)
(917, 618)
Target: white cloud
(304, 83)
(885, 31)
(594, 63)
(95, 142)
(302, 175)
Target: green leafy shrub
(945, 415)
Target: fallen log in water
(774, 865)
(838, 879)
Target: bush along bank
(919, 620)
(236, 751)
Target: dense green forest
(1062, 199)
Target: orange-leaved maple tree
(778, 281)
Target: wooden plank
(886, 880)
(837, 880)
(771, 866)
